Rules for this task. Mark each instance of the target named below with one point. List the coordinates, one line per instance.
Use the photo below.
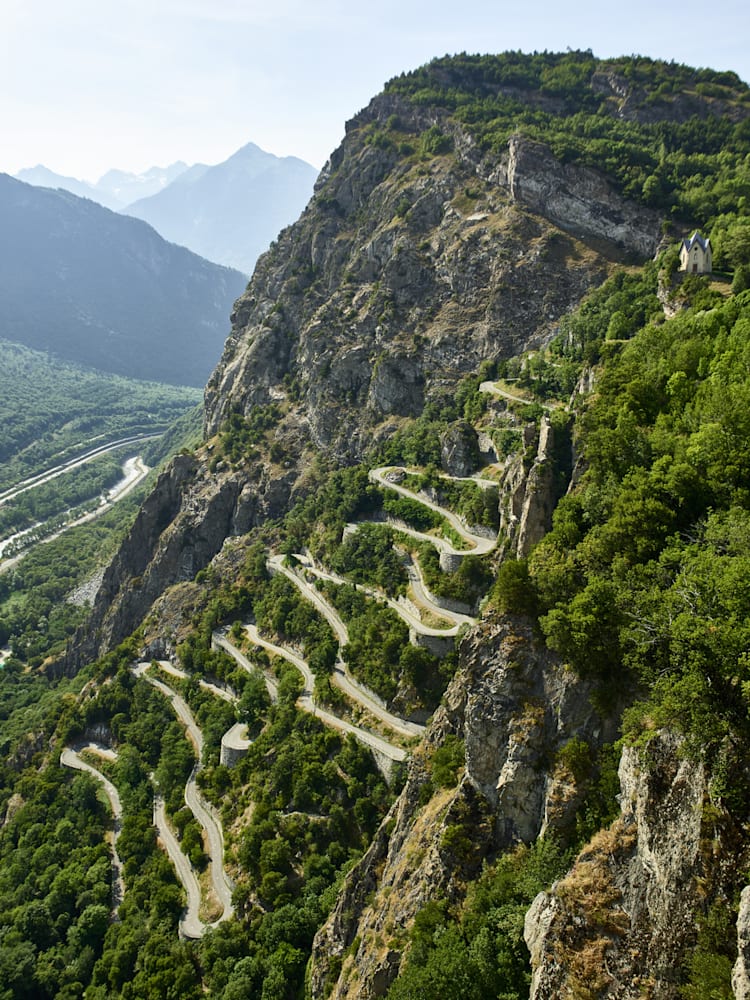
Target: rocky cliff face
(516, 708)
(401, 276)
(180, 527)
(577, 199)
(616, 924)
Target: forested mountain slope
(459, 385)
(93, 287)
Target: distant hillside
(123, 187)
(51, 408)
(115, 190)
(41, 176)
(231, 212)
(104, 290)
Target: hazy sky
(92, 84)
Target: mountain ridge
(232, 211)
(90, 285)
(108, 190)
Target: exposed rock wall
(393, 284)
(578, 199)
(515, 706)
(180, 527)
(540, 494)
(622, 920)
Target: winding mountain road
(342, 677)
(480, 545)
(399, 605)
(219, 692)
(494, 389)
(191, 925)
(70, 758)
(220, 641)
(306, 701)
(200, 808)
(422, 594)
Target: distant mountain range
(116, 189)
(229, 213)
(102, 289)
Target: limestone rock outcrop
(515, 706)
(459, 449)
(541, 493)
(578, 199)
(616, 923)
(391, 287)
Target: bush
(513, 591)
(447, 761)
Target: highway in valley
(73, 463)
(134, 472)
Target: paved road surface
(495, 390)
(70, 758)
(219, 692)
(73, 463)
(191, 925)
(404, 611)
(305, 700)
(220, 641)
(342, 677)
(479, 544)
(200, 808)
(135, 472)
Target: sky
(88, 85)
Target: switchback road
(70, 758)
(305, 700)
(198, 805)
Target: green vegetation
(641, 586)
(36, 617)
(477, 505)
(469, 582)
(50, 410)
(644, 566)
(316, 800)
(367, 556)
(85, 483)
(379, 653)
(615, 311)
(282, 611)
(690, 166)
(478, 951)
(54, 886)
(240, 436)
